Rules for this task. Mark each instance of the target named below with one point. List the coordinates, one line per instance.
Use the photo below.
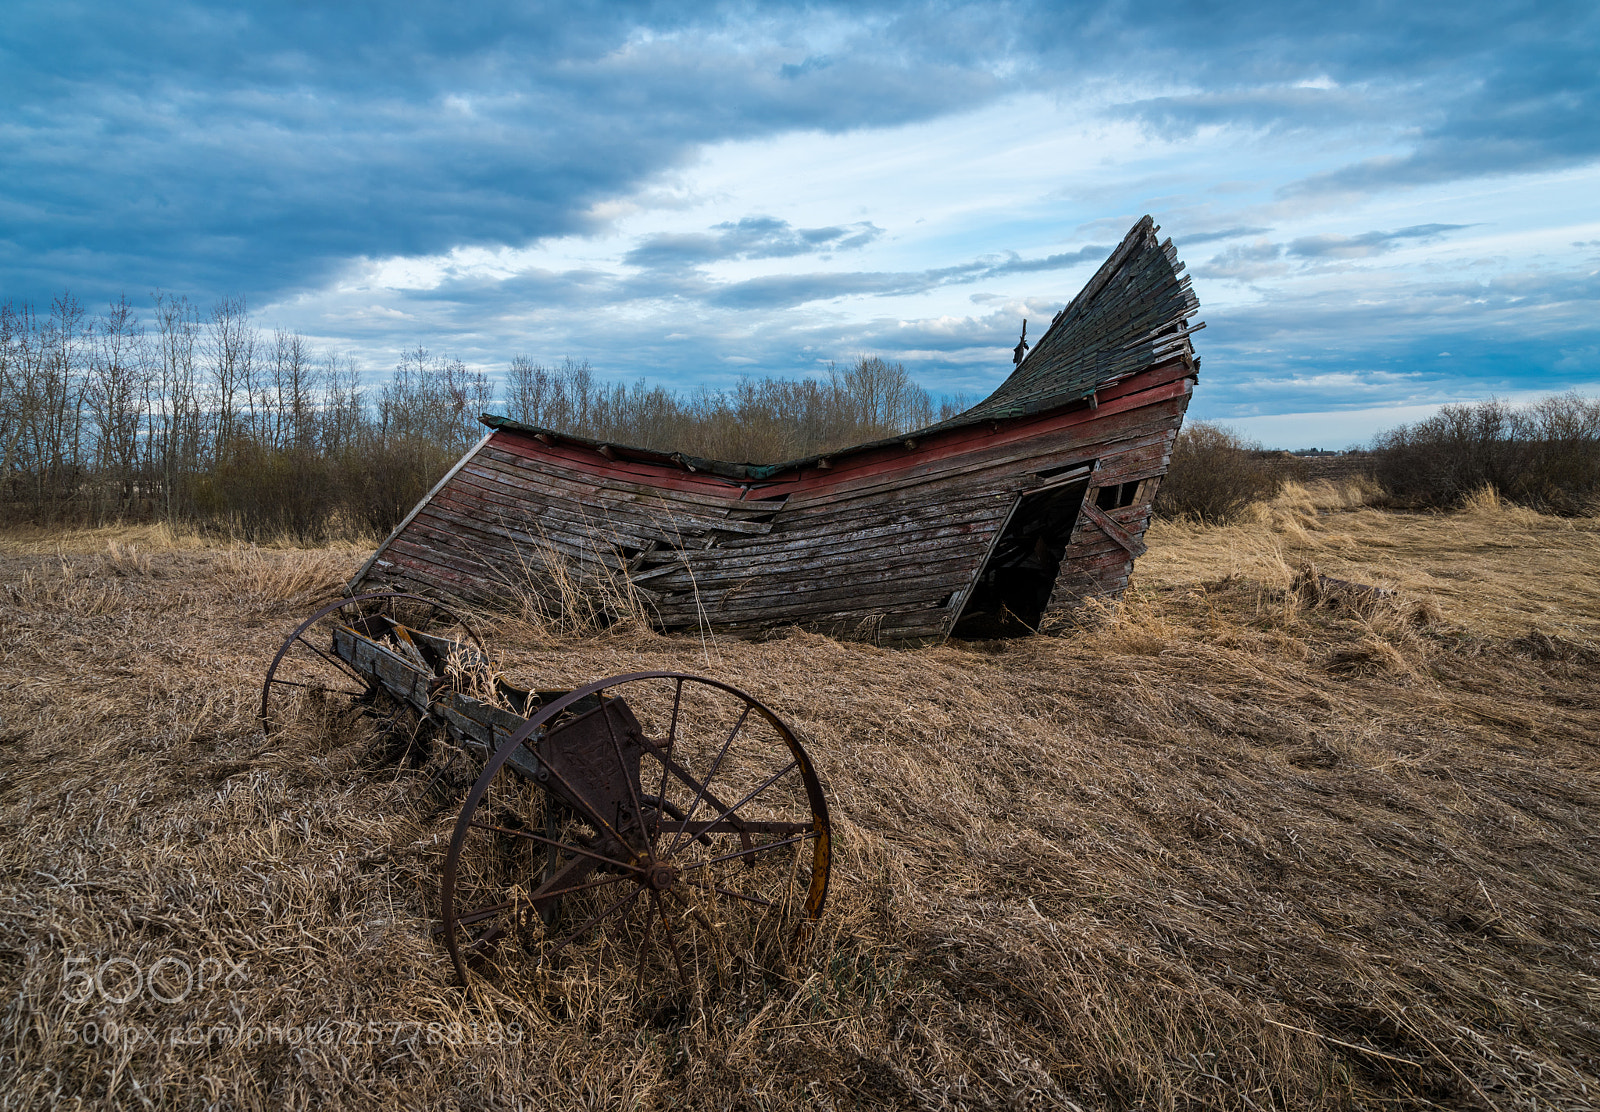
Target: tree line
(1545, 455)
(202, 417)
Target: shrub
(1545, 455)
(1215, 474)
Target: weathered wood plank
(690, 515)
(1112, 529)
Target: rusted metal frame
(547, 896)
(417, 509)
(744, 826)
(483, 913)
(644, 951)
(721, 826)
(672, 935)
(478, 916)
(540, 895)
(705, 924)
(572, 797)
(335, 661)
(817, 894)
(622, 768)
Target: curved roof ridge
(1133, 312)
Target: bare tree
(343, 407)
(117, 392)
(230, 348)
(174, 444)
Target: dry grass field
(1242, 843)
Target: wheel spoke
(694, 891)
(482, 913)
(335, 661)
(672, 766)
(711, 775)
(763, 786)
(318, 687)
(753, 850)
(672, 736)
(568, 846)
(672, 935)
(644, 952)
(592, 920)
(726, 892)
(700, 830)
(633, 792)
(542, 895)
(589, 810)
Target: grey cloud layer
(1369, 243)
(1263, 258)
(754, 237)
(668, 268)
(255, 148)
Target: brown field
(1238, 845)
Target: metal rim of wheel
(722, 838)
(301, 667)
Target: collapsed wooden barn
(1004, 518)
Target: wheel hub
(661, 877)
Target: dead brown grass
(1240, 845)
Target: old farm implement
(669, 814)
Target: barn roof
(1131, 315)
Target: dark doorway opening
(1014, 586)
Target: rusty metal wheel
(671, 818)
(307, 673)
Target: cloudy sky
(1385, 206)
